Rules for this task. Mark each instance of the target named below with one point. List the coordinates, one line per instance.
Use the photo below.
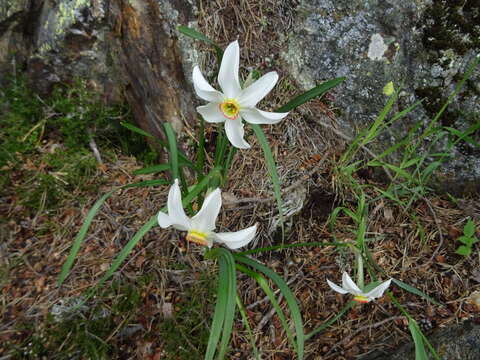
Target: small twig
(268, 316)
(265, 299)
(366, 327)
(440, 234)
(288, 189)
(93, 146)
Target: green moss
(186, 335)
(44, 143)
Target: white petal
(349, 285)
(256, 116)
(164, 220)
(235, 132)
(234, 240)
(175, 208)
(204, 89)
(250, 96)
(211, 113)
(378, 291)
(204, 220)
(228, 74)
(336, 287)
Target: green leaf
(466, 240)
(172, 145)
(136, 129)
(152, 169)
(288, 246)
(184, 161)
(251, 337)
(464, 250)
(322, 327)
(272, 169)
(81, 236)
(230, 305)
(271, 296)
(420, 353)
(220, 308)
(310, 94)
(415, 291)
(469, 228)
(289, 298)
(77, 243)
(194, 34)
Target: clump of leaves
(467, 239)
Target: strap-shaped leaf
(289, 298)
(310, 94)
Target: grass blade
(243, 313)
(415, 291)
(200, 163)
(77, 243)
(220, 308)
(272, 169)
(322, 327)
(184, 161)
(288, 246)
(136, 129)
(194, 34)
(289, 298)
(172, 145)
(310, 94)
(262, 282)
(420, 353)
(152, 169)
(230, 305)
(81, 236)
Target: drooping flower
(234, 103)
(200, 227)
(348, 286)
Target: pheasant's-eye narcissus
(200, 227)
(235, 104)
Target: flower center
(197, 237)
(360, 299)
(230, 108)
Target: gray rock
(457, 342)
(126, 50)
(427, 45)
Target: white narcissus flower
(234, 103)
(348, 286)
(200, 227)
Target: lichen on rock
(426, 45)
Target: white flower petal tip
(203, 89)
(252, 95)
(164, 220)
(235, 133)
(256, 116)
(348, 286)
(228, 73)
(205, 219)
(378, 291)
(237, 239)
(336, 288)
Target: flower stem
(360, 276)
